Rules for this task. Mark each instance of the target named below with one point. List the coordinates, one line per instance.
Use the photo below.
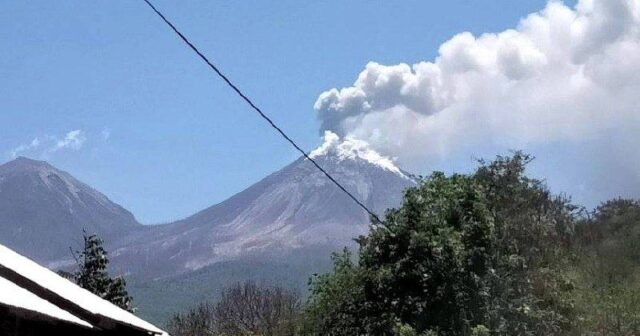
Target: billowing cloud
(562, 75)
(43, 147)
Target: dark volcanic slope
(290, 211)
(43, 211)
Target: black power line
(257, 109)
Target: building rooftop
(26, 285)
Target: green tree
(93, 276)
(422, 269)
(471, 254)
(530, 292)
(428, 259)
(337, 304)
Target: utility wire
(262, 114)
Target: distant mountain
(280, 230)
(294, 209)
(43, 211)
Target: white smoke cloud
(43, 147)
(34, 144)
(349, 148)
(72, 140)
(562, 75)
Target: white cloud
(34, 144)
(563, 74)
(72, 140)
(43, 147)
(106, 134)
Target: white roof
(16, 296)
(70, 291)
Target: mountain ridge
(44, 210)
(295, 207)
(290, 221)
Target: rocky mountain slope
(280, 230)
(43, 211)
(291, 210)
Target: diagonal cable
(257, 109)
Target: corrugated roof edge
(21, 301)
(67, 295)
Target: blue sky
(164, 138)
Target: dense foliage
(424, 266)
(608, 270)
(93, 276)
(489, 253)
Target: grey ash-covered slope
(282, 228)
(291, 211)
(43, 211)
(279, 231)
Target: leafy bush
(464, 255)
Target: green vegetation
(488, 253)
(608, 270)
(92, 274)
(463, 255)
